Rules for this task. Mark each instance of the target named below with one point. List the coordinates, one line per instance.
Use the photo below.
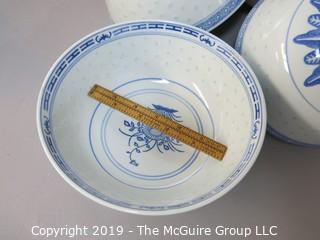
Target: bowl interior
(124, 162)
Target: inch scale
(158, 122)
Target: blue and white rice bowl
(177, 70)
(281, 41)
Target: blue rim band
(220, 15)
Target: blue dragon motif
(143, 138)
(311, 39)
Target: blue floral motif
(311, 39)
(143, 138)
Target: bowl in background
(280, 40)
(206, 14)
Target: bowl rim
(212, 21)
(182, 209)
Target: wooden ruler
(159, 122)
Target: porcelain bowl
(206, 14)
(280, 39)
(177, 70)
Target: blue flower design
(143, 138)
(311, 39)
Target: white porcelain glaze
(280, 39)
(206, 14)
(175, 69)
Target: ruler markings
(159, 122)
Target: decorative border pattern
(220, 15)
(97, 39)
